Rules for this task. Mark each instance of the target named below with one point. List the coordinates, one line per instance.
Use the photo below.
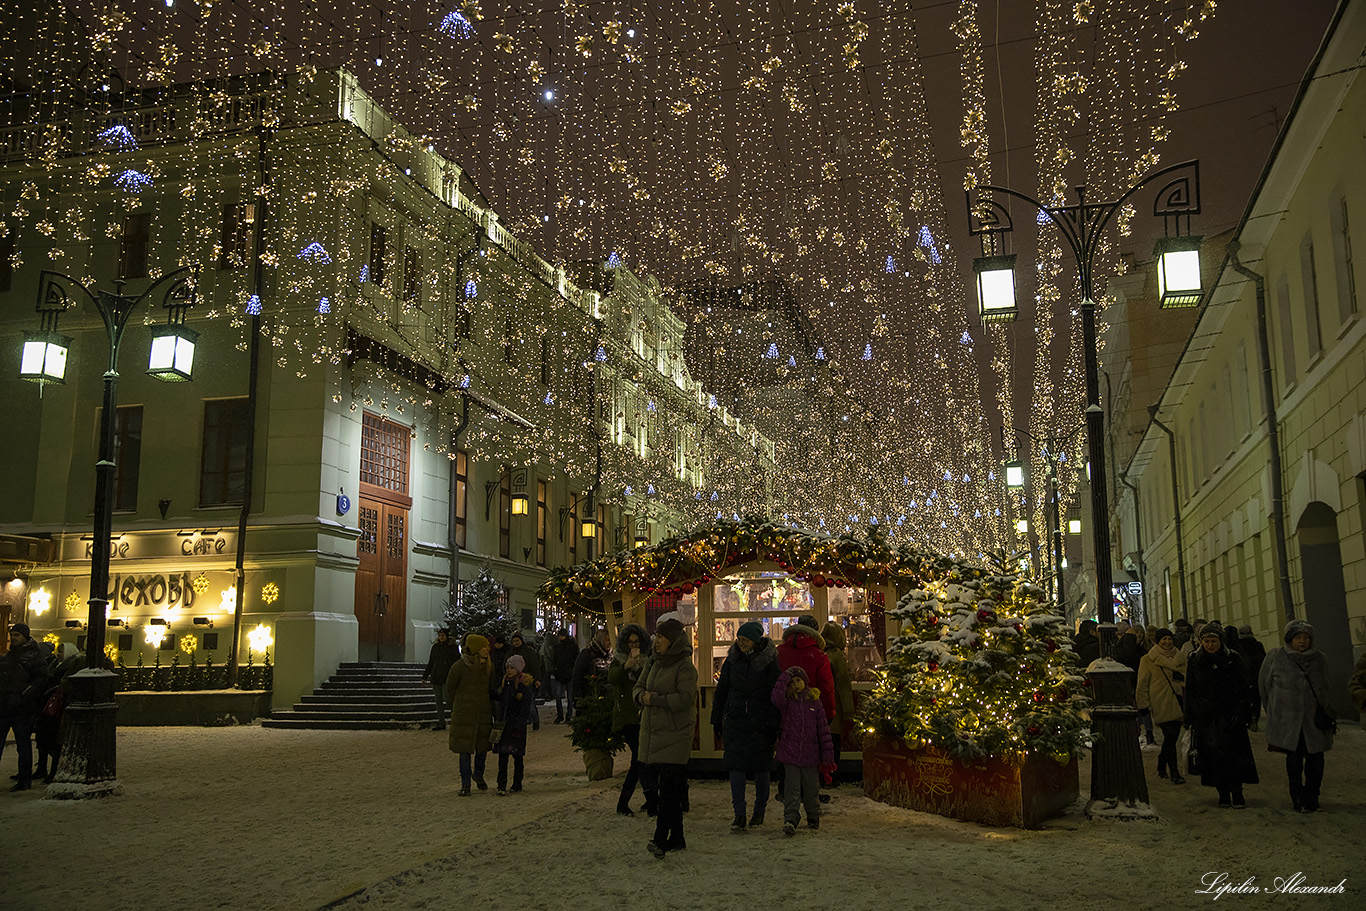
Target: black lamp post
(88, 767)
(1117, 770)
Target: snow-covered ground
(252, 818)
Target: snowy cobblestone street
(252, 818)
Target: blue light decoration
(614, 261)
(901, 519)
(991, 475)
(822, 523)
(926, 240)
(772, 351)
(890, 266)
(630, 490)
(1062, 457)
(998, 510)
(718, 514)
(117, 138)
(253, 307)
(697, 495)
(714, 496)
(947, 476)
(791, 361)
(872, 520)
(650, 490)
(465, 381)
(315, 254)
(364, 273)
(966, 479)
(966, 339)
(820, 354)
(912, 506)
(324, 306)
(978, 515)
(600, 355)
(735, 516)
(549, 399)
(868, 351)
(1041, 218)
(131, 181)
(711, 400)
(650, 406)
(905, 481)
(471, 290)
(455, 25)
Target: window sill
(1348, 324)
(1315, 359)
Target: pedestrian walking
(467, 690)
(517, 700)
(562, 675)
(666, 692)
(1294, 684)
(1218, 704)
(531, 656)
(835, 640)
(804, 745)
(743, 714)
(628, 660)
(23, 680)
(1161, 681)
(444, 653)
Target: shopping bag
(1185, 746)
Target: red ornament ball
(1038, 697)
(1033, 729)
(933, 666)
(818, 579)
(688, 588)
(986, 616)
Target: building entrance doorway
(382, 576)
(1325, 598)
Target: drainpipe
(253, 400)
(1273, 435)
(1176, 506)
(1138, 540)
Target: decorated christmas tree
(481, 609)
(591, 728)
(981, 668)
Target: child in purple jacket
(804, 745)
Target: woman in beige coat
(1161, 681)
(666, 692)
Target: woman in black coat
(1218, 706)
(744, 715)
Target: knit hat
(518, 635)
(475, 643)
(518, 662)
(670, 629)
(752, 631)
(1161, 633)
(22, 629)
(1245, 630)
(799, 672)
(1295, 627)
(808, 620)
(1212, 628)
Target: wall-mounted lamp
(114, 621)
(75, 624)
(158, 621)
(203, 621)
(1015, 478)
(1073, 520)
(588, 525)
(520, 505)
(1178, 272)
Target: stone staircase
(364, 695)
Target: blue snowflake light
(131, 181)
(455, 25)
(253, 307)
(820, 354)
(772, 351)
(315, 254)
(465, 381)
(614, 261)
(714, 496)
(868, 351)
(966, 339)
(471, 290)
(1041, 218)
(118, 138)
(791, 361)
(947, 476)
(364, 273)
(650, 490)
(650, 406)
(600, 354)
(549, 399)
(890, 266)
(324, 306)
(630, 490)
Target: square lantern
(1073, 520)
(172, 357)
(1015, 478)
(519, 497)
(1022, 526)
(1178, 272)
(44, 356)
(996, 287)
(642, 531)
(587, 527)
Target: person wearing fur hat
(666, 692)
(467, 690)
(835, 640)
(744, 716)
(516, 702)
(1218, 708)
(1161, 681)
(804, 745)
(1293, 683)
(628, 660)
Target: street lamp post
(1117, 769)
(88, 766)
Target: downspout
(1122, 478)
(253, 401)
(1176, 506)
(1273, 435)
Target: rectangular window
(137, 235)
(574, 530)
(505, 512)
(464, 322)
(1309, 278)
(1285, 329)
(378, 237)
(412, 276)
(6, 261)
(234, 244)
(462, 487)
(545, 359)
(223, 453)
(508, 349)
(542, 515)
(1342, 257)
(384, 453)
(602, 531)
(127, 456)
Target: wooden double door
(382, 579)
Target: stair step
(370, 698)
(372, 708)
(364, 695)
(299, 724)
(416, 716)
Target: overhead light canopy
(1178, 272)
(44, 356)
(172, 357)
(996, 287)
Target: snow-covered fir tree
(482, 609)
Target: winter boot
(651, 807)
(757, 819)
(737, 826)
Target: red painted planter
(993, 792)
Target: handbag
(1185, 744)
(1324, 719)
(54, 705)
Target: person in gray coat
(666, 692)
(1293, 681)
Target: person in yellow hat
(467, 691)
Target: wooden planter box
(993, 792)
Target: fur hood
(791, 632)
(763, 655)
(834, 637)
(623, 651)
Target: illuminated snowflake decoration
(73, 601)
(270, 593)
(315, 254)
(324, 306)
(200, 584)
(260, 638)
(117, 138)
(131, 181)
(253, 307)
(966, 339)
(549, 399)
(614, 261)
(868, 351)
(772, 351)
(455, 25)
(471, 290)
(189, 644)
